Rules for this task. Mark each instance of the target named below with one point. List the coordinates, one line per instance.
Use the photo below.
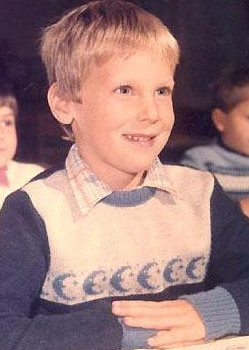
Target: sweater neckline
(129, 198)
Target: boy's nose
(149, 110)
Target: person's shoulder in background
(200, 156)
(20, 173)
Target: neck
(132, 182)
(117, 180)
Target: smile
(138, 138)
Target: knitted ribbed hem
(130, 198)
(218, 311)
(134, 337)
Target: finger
(190, 333)
(131, 305)
(145, 302)
(150, 309)
(155, 322)
(149, 304)
(137, 310)
(177, 335)
(179, 345)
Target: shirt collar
(157, 177)
(88, 189)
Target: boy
(118, 245)
(13, 174)
(228, 156)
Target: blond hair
(91, 34)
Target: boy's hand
(177, 322)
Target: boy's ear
(59, 105)
(219, 119)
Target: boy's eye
(164, 91)
(124, 90)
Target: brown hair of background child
(7, 99)
(231, 89)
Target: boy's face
(8, 137)
(235, 129)
(126, 114)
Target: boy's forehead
(133, 61)
(121, 55)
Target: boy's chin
(140, 166)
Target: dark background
(213, 35)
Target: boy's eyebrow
(167, 82)
(169, 85)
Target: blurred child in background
(13, 174)
(227, 157)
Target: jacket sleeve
(24, 260)
(224, 306)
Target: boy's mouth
(143, 139)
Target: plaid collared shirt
(88, 189)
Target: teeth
(138, 138)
